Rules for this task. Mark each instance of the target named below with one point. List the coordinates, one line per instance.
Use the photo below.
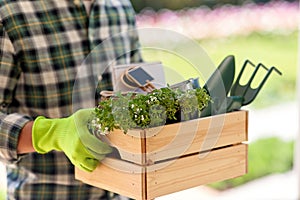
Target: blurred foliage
(266, 156)
(271, 50)
(2, 194)
(180, 4)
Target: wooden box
(175, 157)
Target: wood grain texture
(116, 175)
(193, 171)
(195, 136)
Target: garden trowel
(218, 86)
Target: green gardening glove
(71, 136)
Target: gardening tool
(242, 95)
(223, 74)
(218, 86)
(191, 83)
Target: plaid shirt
(43, 44)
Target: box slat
(130, 181)
(191, 171)
(197, 135)
(149, 182)
(130, 145)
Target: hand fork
(246, 92)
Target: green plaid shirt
(43, 44)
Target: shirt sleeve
(136, 55)
(11, 124)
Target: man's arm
(25, 139)
(11, 124)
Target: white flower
(152, 98)
(103, 133)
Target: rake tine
(246, 91)
(248, 85)
(251, 93)
(238, 89)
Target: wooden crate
(175, 157)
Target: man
(43, 45)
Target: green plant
(148, 110)
(192, 102)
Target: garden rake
(242, 95)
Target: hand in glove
(69, 135)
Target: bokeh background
(262, 31)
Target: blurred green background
(271, 50)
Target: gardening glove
(71, 136)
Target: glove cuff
(46, 134)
